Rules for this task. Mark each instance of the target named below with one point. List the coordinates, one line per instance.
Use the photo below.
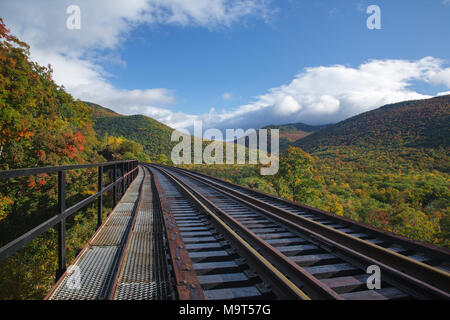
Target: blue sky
(249, 58)
(241, 63)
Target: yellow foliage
(5, 202)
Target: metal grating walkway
(143, 276)
(118, 262)
(91, 275)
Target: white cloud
(326, 94)
(446, 2)
(316, 95)
(288, 105)
(87, 81)
(105, 23)
(206, 13)
(441, 76)
(74, 56)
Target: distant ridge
(418, 123)
(290, 133)
(100, 111)
(297, 126)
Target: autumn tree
(40, 125)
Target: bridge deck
(117, 263)
(227, 242)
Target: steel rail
(420, 274)
(285, 272)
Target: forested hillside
(421, 123)
(388, 167)
(151, 134)
(290, 133)
(99, 112)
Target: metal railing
(128, 172)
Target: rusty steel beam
(187, 284)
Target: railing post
(114, 188)
(123, 180)
(100, 198)
(126, 171)
(128, 176)
(62, 225)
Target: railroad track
(421, 252)
(227, 241)
(177, 234)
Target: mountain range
(418, 123)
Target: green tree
(297, 172)
(120, 148)
(163, 159)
